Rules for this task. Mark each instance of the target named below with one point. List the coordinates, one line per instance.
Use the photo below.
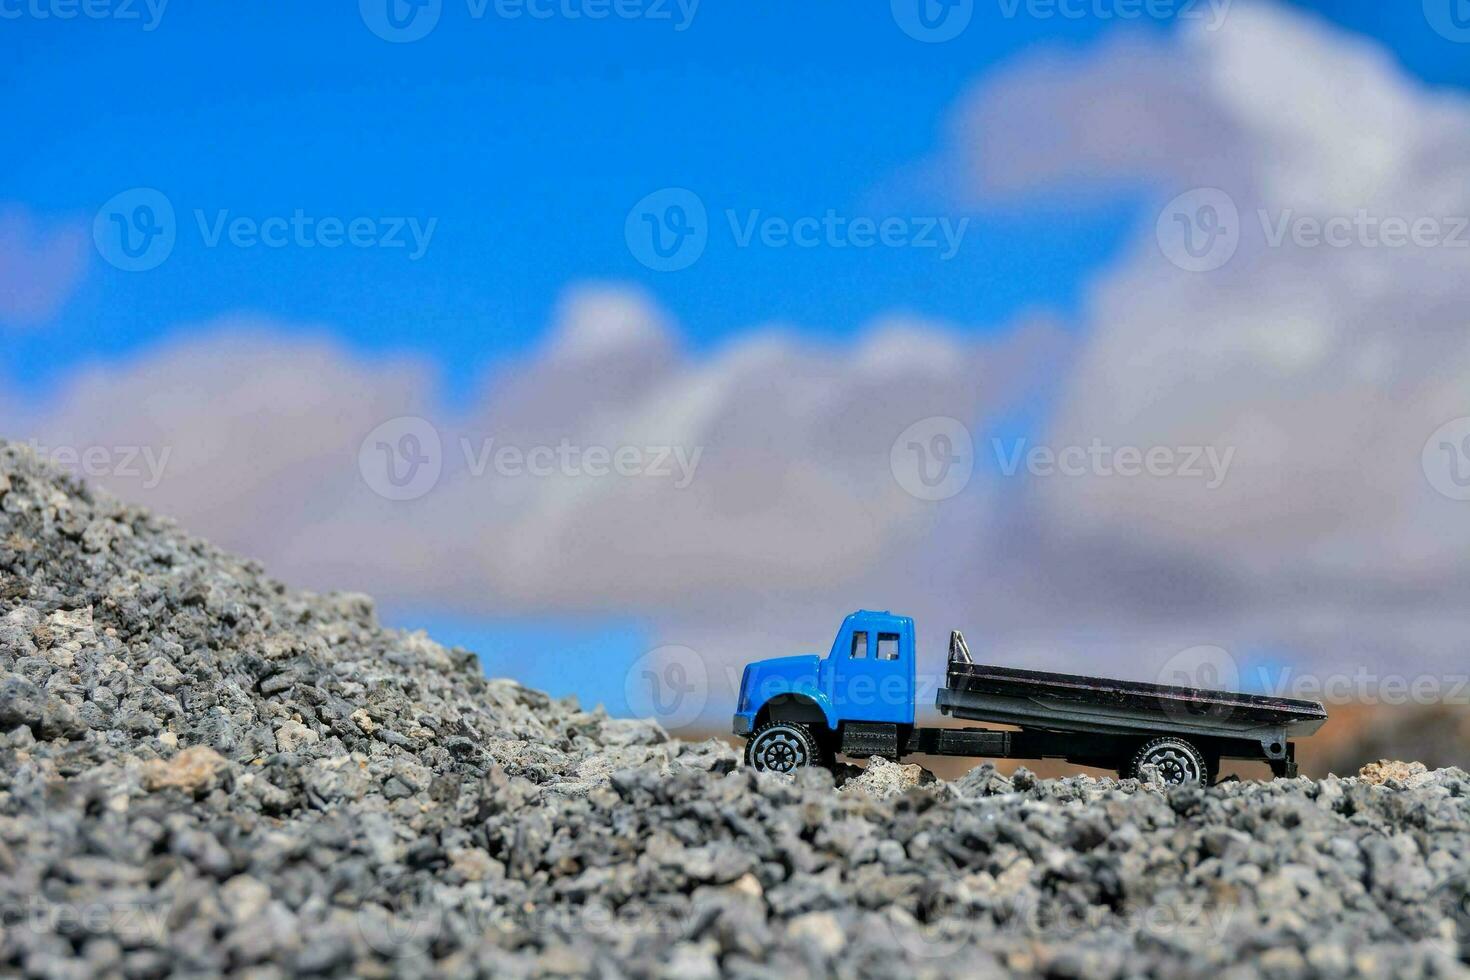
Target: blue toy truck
(859, 701)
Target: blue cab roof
(865, 617)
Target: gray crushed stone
(203, 771)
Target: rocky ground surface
(202, 771)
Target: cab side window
(859, 645)
(887, 646)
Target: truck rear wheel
(1179, 762)
(783, 746)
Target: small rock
(748, 884)
(475, 864)
(690, 962)
(1378, 773)
(882, 778)
(1151, 778)
(819, 930)
(21, 702)
(194, 770)
(291, 735)
(244, 897)
(162, 674)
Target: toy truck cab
(794, 708)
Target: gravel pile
(202, 771)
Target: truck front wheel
(1177, 759)
(783, 746)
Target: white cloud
(256, 432)
(784, 446)
(1325, 368)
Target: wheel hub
(780, 751)
(1174, 766)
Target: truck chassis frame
(1100, 750)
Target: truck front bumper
(742, 724)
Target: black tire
(783, 746)
(1179, 761)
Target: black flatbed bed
(1074, 702)
(1096, 721)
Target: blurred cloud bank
(39, 267)
(1320, 370)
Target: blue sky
(527, 142)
